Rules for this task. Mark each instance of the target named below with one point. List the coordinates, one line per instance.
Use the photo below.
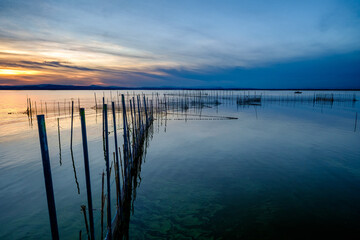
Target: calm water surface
(279, 170)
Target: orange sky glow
(181, 43)
(77, 64)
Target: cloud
(43, 65)
(135, 43)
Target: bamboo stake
(126, 155)
(59, 141)
(87, 172)
(107, 173)
(46, 109)
(95, 100)
(72, 124)
(116, 147)
(121, 164)
(47, 176)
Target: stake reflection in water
(138, 131)
(71, 148)
(58, 122)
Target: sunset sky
(250, 44)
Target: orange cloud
(46, 62)
(17, 72)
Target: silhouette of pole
(47, 176)
(116, 152)
(126, 152)
(107, 171)
(87, 172)
(146, 114)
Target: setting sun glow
(17, 72)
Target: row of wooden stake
(134, 134)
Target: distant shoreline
(95, 87)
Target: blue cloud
(334, 71)
(232, 43)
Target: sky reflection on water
(278, 171)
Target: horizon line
(99, 87)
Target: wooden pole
(132, 124)
(126, 152)
(121, 165)
(116, 147)
(107, 171)
(59, 141)
(140, 122)
(47, 176)
(146, 114)
(72, 123)
(87, 172)
(79, 105)
(133, 107)
(95, 101)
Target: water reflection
(180, 168)
(58, 121)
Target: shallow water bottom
(281, 176)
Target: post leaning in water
(47, 176)
(87, 172)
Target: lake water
(285, 168)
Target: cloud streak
(141, 43)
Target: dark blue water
(284, 172)
(279, 170)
